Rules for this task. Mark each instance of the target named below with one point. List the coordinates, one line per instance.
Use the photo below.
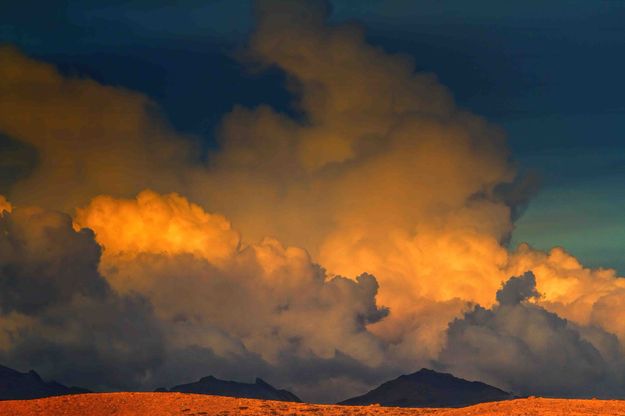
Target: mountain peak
(429, 388)
(426, 373)
(260, 382)
(34, 375)
(429, 372)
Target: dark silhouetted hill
(258, 390)
(428, 388)
(17, 386)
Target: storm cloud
(524, 348)
(58, 314)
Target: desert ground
(165, 404)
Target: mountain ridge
(260, 389)
(15, 385)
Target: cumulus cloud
(385, 174)
(42, 266)
(522, 347)
(382, 174)
(152, 223)
(263, 299)
(588, 297)
(306, 318)
(517, 289)
(137, 315)
(58, 314)
(89, 138)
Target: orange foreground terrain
(161, 404)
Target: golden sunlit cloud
(152, 223)
(4, 205)
(582, 295)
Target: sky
(381, 185)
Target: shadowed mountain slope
(428, 388)
(17, 386)
(214, 386)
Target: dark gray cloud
(59, 315)
(271, 314)
(16, 161)
(518, 289)
(45, 262)
(522, 347)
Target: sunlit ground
(161, 404)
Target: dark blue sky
(549, 72)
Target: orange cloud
(90, 138)
(386, 175)
(159, 224)
(190, 265)
(4, 205)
